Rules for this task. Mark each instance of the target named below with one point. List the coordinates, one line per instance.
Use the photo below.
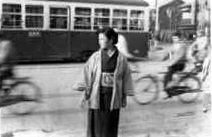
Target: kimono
(106, 82)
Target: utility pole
(157, 16)
(156, 32)
(195, 14)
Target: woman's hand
(84, 103)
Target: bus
(56, 30)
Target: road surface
(60, 109)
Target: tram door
(57, 38)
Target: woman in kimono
(106, 80)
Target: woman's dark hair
(109, 33)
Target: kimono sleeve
(127, 83)
(127, 79)
(84, 80)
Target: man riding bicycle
(178, 61)
(196, 53)
(6, 73)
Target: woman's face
(104, 42)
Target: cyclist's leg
(168, 76)
(173, 69)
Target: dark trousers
(172, 69)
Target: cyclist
(178, 61)
(6, 72)
(6, 63)
(198, 51)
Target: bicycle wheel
(194, 86)
(146, 90)
(32, 96)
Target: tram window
(34, 21)
(102, 18)
(12, 8)
(34, 16)
(136, 24)
(58, 22)
(120, 24)
(82, 18)
(120, 19)
(101, 22)
(34, 9)
(82, 23)
(137, 14)
(119, 13)
(102, 12)
(137, 20)
(58, 11)
(83, 11)
(11, 16)
(58, 18)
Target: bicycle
(185, 85)
(20, 94)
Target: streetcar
(54, 30)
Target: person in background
(178, 61)
(106, 81)
(199, 48)
(206, 79)
(122, 44)
(123, 47)
(6, 62)
(200, 53)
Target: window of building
(102, 18)
(82, 20)
(11, 16)
(58, 18)
(137, 20)
(120, 19)
(34, 16)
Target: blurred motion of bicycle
(185, 85)
(20, 94)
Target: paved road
(60, 107)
